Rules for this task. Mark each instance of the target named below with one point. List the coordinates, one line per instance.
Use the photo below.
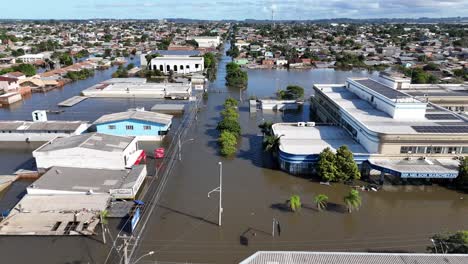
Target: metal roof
(97, 141)
(290, 257)
(441, 129)
(382, 89)
(70, 126)
(136, 115)
(177, 52)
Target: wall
(156, 64)
(138, 130)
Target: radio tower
(272, 17)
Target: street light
(145, 255)
(180, 145)
(220, 190)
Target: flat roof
(437, 90)
(70, 126)
(298, 257)
(313, 139)
(96, 141)
(379, 121)
(177, 52)
(51, 214)
(417, 168)
(83, 179)
(136, 115)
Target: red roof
(8, 79)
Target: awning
(417, 168)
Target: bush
(235, 76)
(230, 113)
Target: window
(421, 150)
(129, 127)
(464, 150)
(406, 149)
(187, 66)
(453, 150)
(111, 127)
(196, 66)
(437, 150)
(146, 127)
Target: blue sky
(231, 9)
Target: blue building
(145, 125)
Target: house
(31, 58)
(18, 75)
(8, 84)
(144, 125)
(92, 150)
(119, 184)
(207, 41)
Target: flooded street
(183, 228)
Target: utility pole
(220, 190)
(273, 228)
(125, 239)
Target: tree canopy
(235, 76)
(337, 167)
(292, 92)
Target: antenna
(272, 16)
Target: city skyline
(240, 10)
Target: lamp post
(220, 190)
(145, 255)
(180, 145)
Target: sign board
(135, 218)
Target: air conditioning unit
(301, 124)
(310, 124)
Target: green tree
(266, 128)
(235, 76)
(17, 53)
(228, 142)
(352, 200)
(210, 60)
(462, 179)
(326, 165)
(27, 69)
(292, 92)
(321, 201)
(192, 42)
(230, 102)
(66, 59)
(345, 165)
(271, 143)
(295, 203)
(456, 243)
(230, 125)
(230, 113)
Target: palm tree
(266, 129)
(295, 203)
(271, 143)
(321, 201)
(352, 200)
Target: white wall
(171, 62)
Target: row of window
(168, 67)
(433, 150)
(128, 127)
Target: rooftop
(83, 179)
(177, 52)
(291, 257)
(136, 115)
(96, 141)
(380, 122)
(382, 89)
(313, 139)
(62, 126)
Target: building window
(196, 66)
(146, 127)
(453, 150)
(464, 150)
(111, 127)
(187, 66)
(129, 127)
(437, 150)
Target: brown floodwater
(183, 227)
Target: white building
(93, 151)
(207, 41)
(178, 64)
(40, 131)
(31, 58)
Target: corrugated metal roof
(291, 257)
(136, 115)
(97, 141)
